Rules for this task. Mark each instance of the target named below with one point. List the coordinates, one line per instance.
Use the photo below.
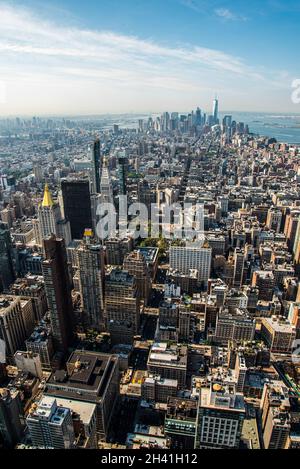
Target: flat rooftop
(86, 410)
(279, 326)
(174, 355)
(223, 399)
(250, 433)
(86, 377)
(6, 301)
(149, 253)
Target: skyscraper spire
(47, 200)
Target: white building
(30, 362)
(50, 220)
(220, 417)
(51, 426)
(192, 256)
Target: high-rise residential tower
(96, 165)
(91, 276)
(122, 169)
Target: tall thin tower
(215, 110)
(91, 280)
(106, 185)
(96, 162)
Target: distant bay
(284, 127)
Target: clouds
(228, 15)
(213, 8)
(59, 68)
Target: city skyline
(132, 57)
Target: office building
(158, 389)
(11, 416)
(274, 219)
(180, 423)
(235, 325)
(29, 362)
(278, 333)
(136, 265)
(221, 412)
(84, 419)
(265, 282)
(122, 306)
(106, 190)
(116, 249)
(13, 327)
(41, 342)
(192, 256)
(90, 377)
(215, 111)
(275, 415)
(50, 426)
(238, 272)
(58, 292)
(77, 205)
(91, 282)
(7, 274)
(168, 361)
(32, 286)
(48, 215)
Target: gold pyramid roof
(47, 200)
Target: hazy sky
(98, 56)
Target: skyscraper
(58, 291)
(122, 306)
(48, 215)
(91, 275)
(239, 261)
(7, 275)
(105, 184)
(96, 165)
(122, 168)
(13, 325)
(215, 111)
(11, 427)
(77, 205)
(136, 265)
